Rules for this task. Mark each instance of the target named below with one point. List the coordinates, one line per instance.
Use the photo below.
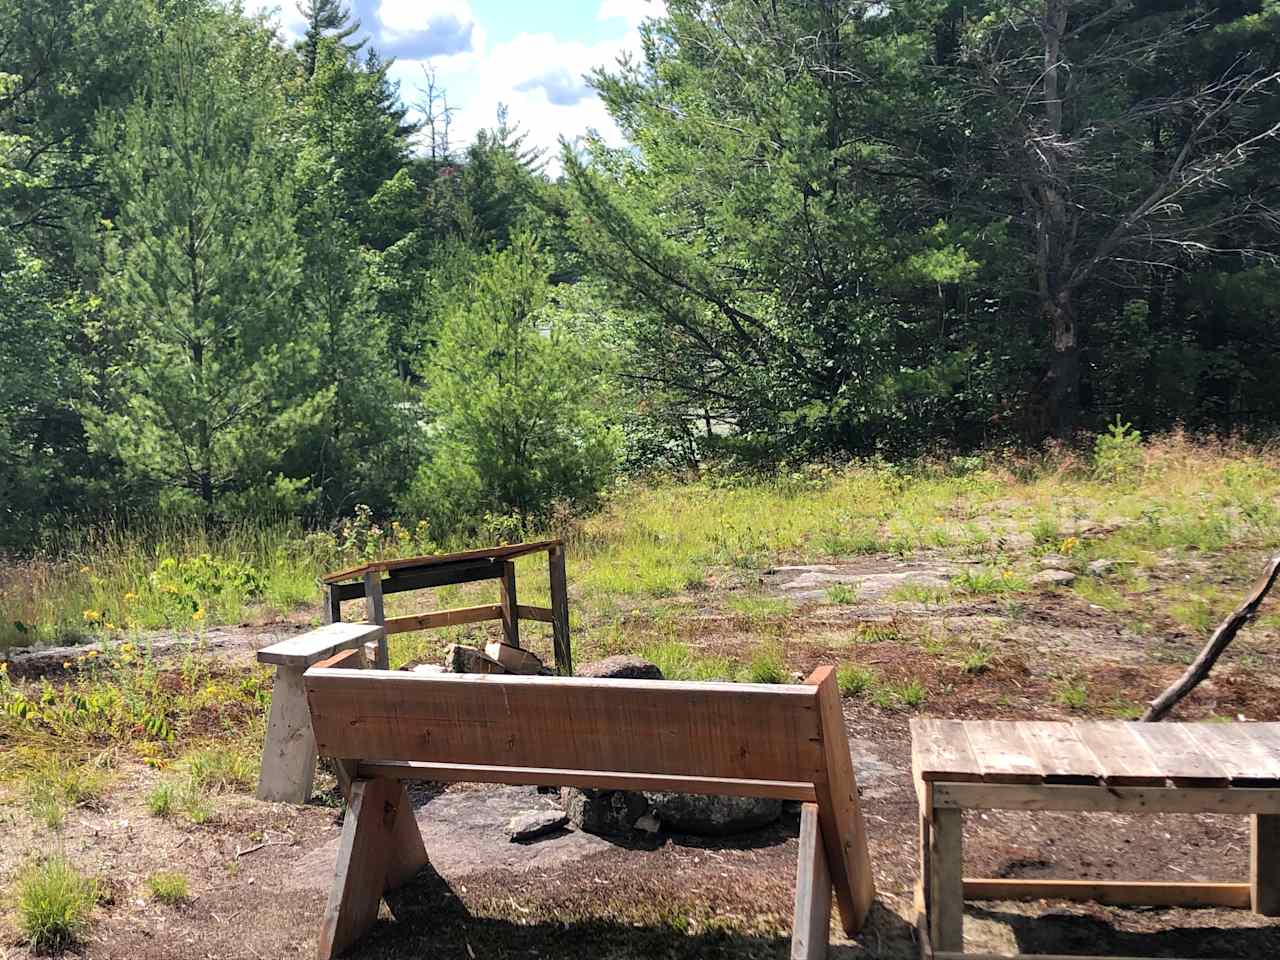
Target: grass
(55, 786)
(920, 593)
(162, 799)
(53, 903)
(988, 582)
(843, 593)
(900, 693)
(978, 660)
(679, 661)
(1073, 693)
(168, 887)
(854, 680)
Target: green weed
(168, 887)
(162, 799)
(1072, 693)
(767, 666)
(987, 581)
(842, 593)
(54, 901)
(854, 680)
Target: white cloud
(287, 19)
(428, 29)
(632, 11)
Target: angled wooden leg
(811, 928)
(376, 613)
(560, 612)
(380, 840)
(945, 895)
(924, 804)
(289, 748)
(1264, 864)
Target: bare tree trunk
(1064, 366)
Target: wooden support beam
(1115, 892)
(376, 613)
(843, 831)
(443, 575)
(981, 796)
(541, 614)
(560, 611)
(444, 618)
(1264, 865)
(811, 926)
(946, 884)
(332, 604)
(507, 602)
(289, 748)
(598, 779)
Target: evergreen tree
(326, 20)
(202, 261)
(518, 399)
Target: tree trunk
(1063, 378)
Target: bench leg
(381, 848)
(811, 928)
(376, 613)
(945, 891)
(289, 750)
(1264, 864)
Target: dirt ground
(259, 872)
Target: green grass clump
(168, 887)
(53, 902)
(987, 581)
(1045, 531)
(222, 768)
(162, 799)
(55, 787)
(920, 593)
(758, 608)
(854, 680)
(767, 666)
(842, 593)
(1072, 693)
(978, 660)
(902, 693)
(677, 661)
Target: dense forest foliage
(239, 275)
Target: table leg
(289, 750)
(945, 893)
(1264, 864)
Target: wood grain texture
(507, 551)
(946, 883)
(1179, 755)
(1063, 758)
(464, 571)
(1124, 758)
(940, 751)
(1247, 752)
(289, 748)
(1003, 754)
(443, 618)
(985, 796)
(811, 926)
(731, 731)
(839, 810)
(314, 645)
(507, 604)
(560, 611)
(332, 604)
(1115, 892)
(541, 614)
(1264, 865)
(375, 612)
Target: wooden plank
(505, 552)
(843, 832)
(289, 747)
(1061, 755)
(1180, 757)
(940, 751)
(734, 731)
(1002, 753)
(946, 872)
(332, 604)
(560, 611)
(1114, 892)
(443, 618)
(469, 571)
(314, 645)
(598, 779)
(375, 612)
(360, 873)
(1123, 757)
(507, 603)
(1233, 800)
(1243, 755)
(346, 660)
(811, 924)
(541, 614)
(1264, 865)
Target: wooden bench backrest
(751, 732)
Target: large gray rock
(706, 816)
(621, 668)
(532, 824)
(606, 813)
(460, 658)
(1053, 578)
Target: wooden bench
(756, 740)
(289, 749)
(1114, 767)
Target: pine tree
(202, 262)
(326, 19)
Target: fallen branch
(1221, 638)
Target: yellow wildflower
(84, 569)
(199, 614)
(91, 615)
(130, 597)
(91, 654)
(110, 625)
(66, 664)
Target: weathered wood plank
(560, 611)
(1264, 865)
(1062, 756)
(507, 604)
(443, 618)
(289, 747)
(735, 731)
(469, 571)
(946, 884)
(314, 645)
(1002, 753)
(505, 552)
(1123, 757)
(1180, 757)
(540, 614)
(1241, 750)
(811, 924)
(940, 751)
(375, 612)
(839, 811)
(1234, 800)
(332, 604)
(1115, 892)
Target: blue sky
(529, 55)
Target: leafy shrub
(53, 904)
(1117, 454)
(188, 586)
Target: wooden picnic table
(1113, 767)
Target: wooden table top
(1101, 754)
(506, 552)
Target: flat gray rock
(1052, 578)
(620, 668)
(713, 816)
(533, 824)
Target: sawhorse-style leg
(381, 848)
(811, 928)
(941, 871)
(289, 750)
